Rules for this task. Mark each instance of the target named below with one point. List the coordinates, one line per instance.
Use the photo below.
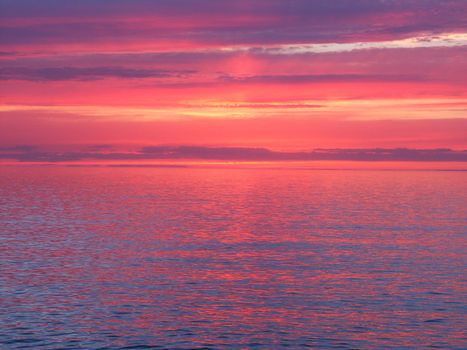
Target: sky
(233, 80)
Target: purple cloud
(237, 22)
(318, 78)
(92, 73)
(35, 154)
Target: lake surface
(187, 258)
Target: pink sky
(282, 75)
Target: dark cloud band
(93, 73)
(225, 22)
(36, 154)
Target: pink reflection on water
(225, 257)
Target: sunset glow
(296, 76)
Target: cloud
(263, 154)
(92, 73)
(27, 154)
(98, 148)
(225, 22)
(318, 78)
(19, 149)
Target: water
(128, 258)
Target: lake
(209, 258)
